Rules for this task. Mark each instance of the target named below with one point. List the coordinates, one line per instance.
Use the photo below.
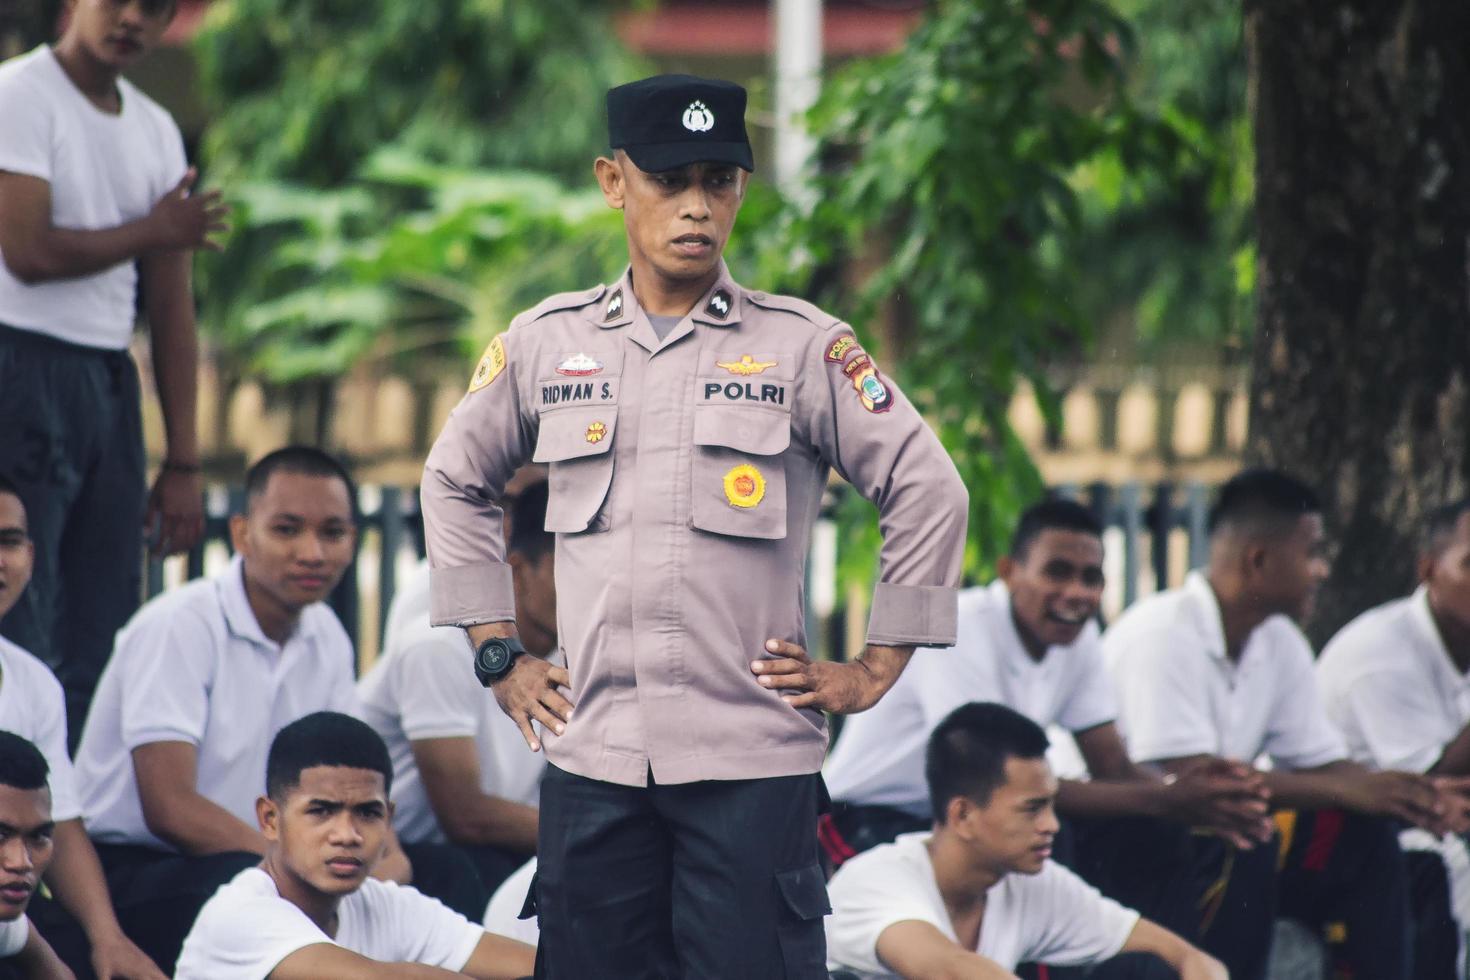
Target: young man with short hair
(1218, 669)
(310, 911)
(461, 772)
(980, 894)
(200, 680)
(26, 847)
(1396, 683)
(80, 924)
(94, 202)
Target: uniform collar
(722, 305)
(240, 618)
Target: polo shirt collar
(240, 618)
(1429, 640)
(1204, 606)
(1013, 654)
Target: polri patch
(841, 347)
(719, 304)
(736, 391)
(492, 362)
(744, 486)
(746, 366)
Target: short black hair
(303, 460)
(968, 750)
(1053, 512)
(528, 534)
(22, 766)
(1440, 526)
(324, 738)
(1262, 497)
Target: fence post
(1132, 521)
(1196, 516)
(391, 522)
(1161, 522)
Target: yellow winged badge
(746, 366)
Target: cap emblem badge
(698, 118)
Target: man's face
(1057, 586)
(296, 538)
(678, 221)
(1293, 567)
(17, 553)
(331, 829)
(118, 33)
(1448, 577)
(1013, 832)
(25, 846)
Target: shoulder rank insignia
(614, 306)
(492, 362)
(719, 305)
(746, 366)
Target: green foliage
(957, 166)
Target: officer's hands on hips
(842, 688)
(529, 692)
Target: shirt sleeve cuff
(913, 615)
(470, 594)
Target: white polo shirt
(1051, 917)
(1179, 695)
(503, 914)
(247, 929)
(425, 687)
(193, 666)
(105, 170)
(1391, 687)
(32, 706)
(879, 757)
(13, 936)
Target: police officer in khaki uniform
(689, 425)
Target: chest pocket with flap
(738, 471)
(577, 443)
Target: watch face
(494, 656)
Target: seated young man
(1218, 669)
(310, 911)
(25, 851)
(980, 894)
(1394, 683)
(81, 919)
(461, 771)
(200, 679)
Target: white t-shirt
(425, 687)
(193, 666)
(104, 170)
(1391, 687)
(247, 929)
(13, 936)
(32, 706)
(1179, 694)
(503, 914)
(1052, 917)
(879, 757)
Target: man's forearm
(1310, 790)
(1111, 798)
(69, 253)
(76, 879)
(489, 820)
(175, 349)
(884, 663)
(198, 826)
(1455, 760)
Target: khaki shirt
(685, 475)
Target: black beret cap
(668, 121)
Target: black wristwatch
(495, 657)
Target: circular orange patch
(744, 486)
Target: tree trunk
(25, 24)
(1361, 380)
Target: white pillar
(798, 81)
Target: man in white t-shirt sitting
(1218, 669)
(980, 894)
(95, 201)
(79, 922)
(1396, 683)
(25, 851)
(200, 679)
(310, 910)
(461, 772)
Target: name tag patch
(744, 391)
(577, 392)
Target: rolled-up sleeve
(488, 435)
(877, 441)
